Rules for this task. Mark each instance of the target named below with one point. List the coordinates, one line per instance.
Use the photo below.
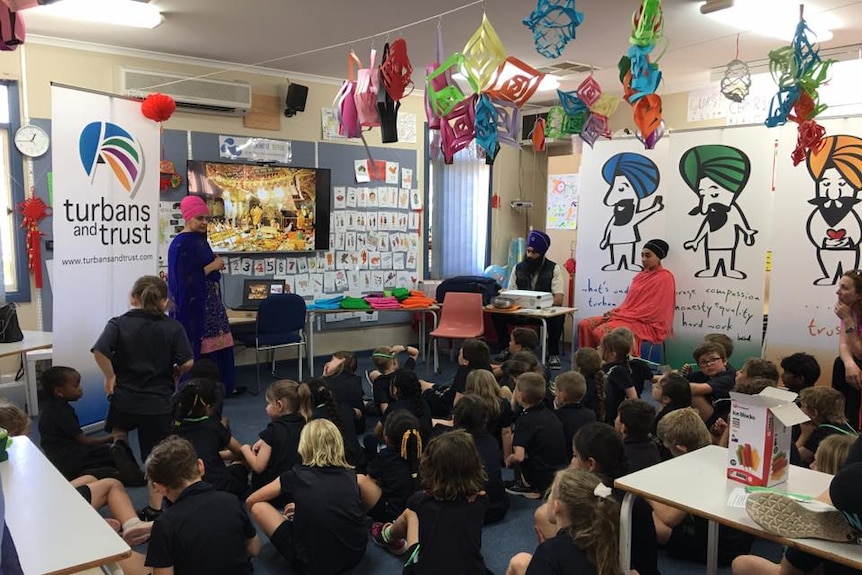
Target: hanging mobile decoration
(458, 128)
(640, 74)
(486, 127)
(736, 82)
(158, 107)
(437, 84)
(515, 81)
(483, 54)
(396, 71)
(444, 99)
(553, 24)
(798, 71)
(508, 122)
(537, 134)
(34, 210)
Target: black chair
(280, 323)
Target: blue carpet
(499, 541)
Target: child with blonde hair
(825, 407)
(483, 384)
(288, 405)
(321, 530)
(588, 517)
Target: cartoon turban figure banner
(818, 233)
(721, 212)
(707, 194)
(622, 196)
(105, 156)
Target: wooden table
(696, 483)
(55, 530)
(32, 341)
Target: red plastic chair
(461, 318)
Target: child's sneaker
(147, 513)
(554, 362)
(396, 547)
(786, 517)
(518, 488)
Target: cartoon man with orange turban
(834, 227)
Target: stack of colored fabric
(383, 302)
(417, 300)
(327, 303)
(399, 293)
(355, 303)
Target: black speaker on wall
(297, 94)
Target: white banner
(255, 149)
(105, 156)
(818, 236)
(715, 229)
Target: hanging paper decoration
(592, 130)
(396, 71)
(443, 100)
(158, 107)
(606, 105)
(486, 126)
(553, 25)
(798, 71)
(640, 75)
(589, 91)
(554, 123)
(437, 84)
(537, 135)
(345, 102)
(571, 102)
(508, 122)
(736, 82)
(515, 82)
(458, 128)
(34, 210)
(483, 54)
(168, 176)
(435, 145)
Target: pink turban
(192, 207)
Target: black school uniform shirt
(540, 433)
(392, 474)
(644, 554)
(506, 418)
(619, 379)
(425, 424)
(721, 383)
(282, 435)
(823, 431)
(459, 384)
(450, 535)
(641, 372)
(208, 436)
(591, 397)
(329, 534)
(573, 416)
(352, 449)
(58, 428)
(143, 349)
(203, 532)
(347, 388)
(492, 457)
(558, 556)
(641, 453)
(380, 387)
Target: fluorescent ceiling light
(776, 18)
(114, 12)
(548, 83)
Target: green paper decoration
(448, 97)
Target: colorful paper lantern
(647, 114)
(437, 83)
(554, 123)
(647, 23)
(537, 135)
(515, 81)
(571, 103)
(444, 99)
(486, 126)
(508, 122)
(458, 128)
(606, 105)
(575, 124)
(553, 24)
(483, 54)
(589, 91)
(736, 82)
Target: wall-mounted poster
(562, 212)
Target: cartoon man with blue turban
(631, 178)
(718, 174)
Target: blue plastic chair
(280, 323)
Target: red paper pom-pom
(158, 107)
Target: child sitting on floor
(825, 407)
(634, 418)
(799, 370)
(386, 362)
(614, 350)
(520, 339)
(712, 382)
(570, 388)
(339, 373)
(588, 362)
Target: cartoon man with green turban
(717, 174)
(834, 227)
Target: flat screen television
(263, 208)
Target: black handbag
(10, 331)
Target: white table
(239, 318)
(32, 341)
(54, 529)
(542, 316)
(696, 483)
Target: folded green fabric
(354, 303)
(401, 293)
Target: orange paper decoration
(515, 82)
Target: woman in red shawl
(648, 308)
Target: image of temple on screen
(261, 208)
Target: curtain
(459, 202)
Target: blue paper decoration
(571, 103)
(645, 75)
(553, 25)
(486, 126)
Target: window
(16, 280)
(458, 211)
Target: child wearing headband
(386, 361)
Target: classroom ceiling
(268, 32)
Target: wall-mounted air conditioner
(528, 121)
(198, 95)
